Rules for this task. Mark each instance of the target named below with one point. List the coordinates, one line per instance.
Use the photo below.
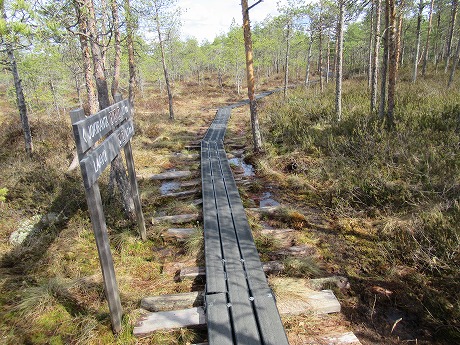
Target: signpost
(115, 124)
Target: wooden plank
(295, 297)
(180, 234)
(348, 338)
(182, 194)
(169, 175)
(173, 301)
(94, 163)
(271, 327)
(215, 275)
(192, 272)
(93, 197)
(135, 190)
(218, 319)
(152, 322)
(244, 321)
(89, 130)
(177, 219)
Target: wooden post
(93, 197)
(135, 190)
(133, 180)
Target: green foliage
(3, 194)
(409, 177)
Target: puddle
(248, 169)
(169, 187)
(267, 201)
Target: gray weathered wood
(177, 219)
(169, 175)
(182, 194)
(93, 197)
(173, 302)
(88, 131)
(218, 319)
(180, 234)
(135, 190)
(269, 321)
(192, 272)
(94, 163)
(152, 322)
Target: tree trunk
(256, 135)
(375, 55)
(421, 5)
(116, 169)
(320, 59)
(307, 72)
(338, 85)
(428, 33)
(286, 69)
(80, 6)
(371, 45)
(20, 99)
(454, 65)
(130, 28)
(117, 46)
(163, 61)
(328, 57)
(392, 63)
(398, 33)
(451, 34)
(383, 87)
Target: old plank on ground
(180, 234)
(173, 301)
(192, 272)
(168, 175)
(182, 194)
(152, 322)
(294, 297)
(177, 219)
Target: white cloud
(206, 19)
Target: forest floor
(51, 288)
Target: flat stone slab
(152, 322)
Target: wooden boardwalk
(240, 306)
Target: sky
(206, 19)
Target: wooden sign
(114, 123)
(93, 128)
(97, 160)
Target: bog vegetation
(373, 159)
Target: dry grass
(47, 293)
